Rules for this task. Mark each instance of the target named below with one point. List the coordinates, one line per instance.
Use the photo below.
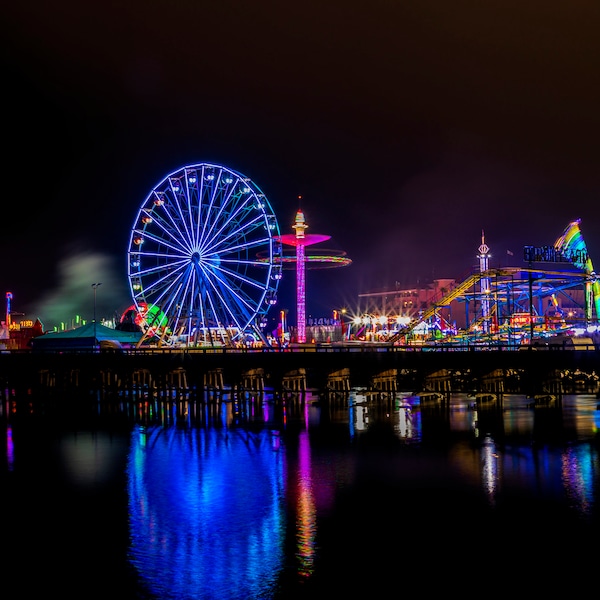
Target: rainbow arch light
(571, 243)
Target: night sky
(408, 128)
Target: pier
(384, 369)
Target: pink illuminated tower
(301, 240)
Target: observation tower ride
(303, 260)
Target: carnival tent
(86, 336)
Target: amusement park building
(404, 302)
(406, 305)
(554, 292)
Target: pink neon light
(308, 240)
(301, 292)
(300, 239)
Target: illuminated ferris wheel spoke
(164, 218)
(175, 267)
(233, 318)
(214, 213)
(179, 304)
(221, 239)
(253, 263)
(167, 281)
(208, 305)
(167, 233)
(194, 255)
(186, 235)
(175, 264)
(239, 248)
(163, 235)
(233, 310)
(166, 288)
(232, 281)
(236, 277)
(228, 295)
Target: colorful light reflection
(200, 525)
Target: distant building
(407, 303)
(557, 291)
(550, 301)
(18, 335)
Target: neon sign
(553, 255)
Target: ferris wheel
(194, 269)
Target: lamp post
(95, 288)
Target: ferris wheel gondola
(193, 257)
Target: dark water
(261, 499)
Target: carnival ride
(303, 259)
(193, 266)
(512, 305)
(206, 258)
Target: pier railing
(342, 348)
(361, 364)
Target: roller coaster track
(483, 318)
(453, 294)
(523, 276)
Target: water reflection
(400, 410)
(256, 496)
(207, 511)
(10, 449)
(580, 466)
(210, 508)
(489, 468)
(306, 509)
(90, 458)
